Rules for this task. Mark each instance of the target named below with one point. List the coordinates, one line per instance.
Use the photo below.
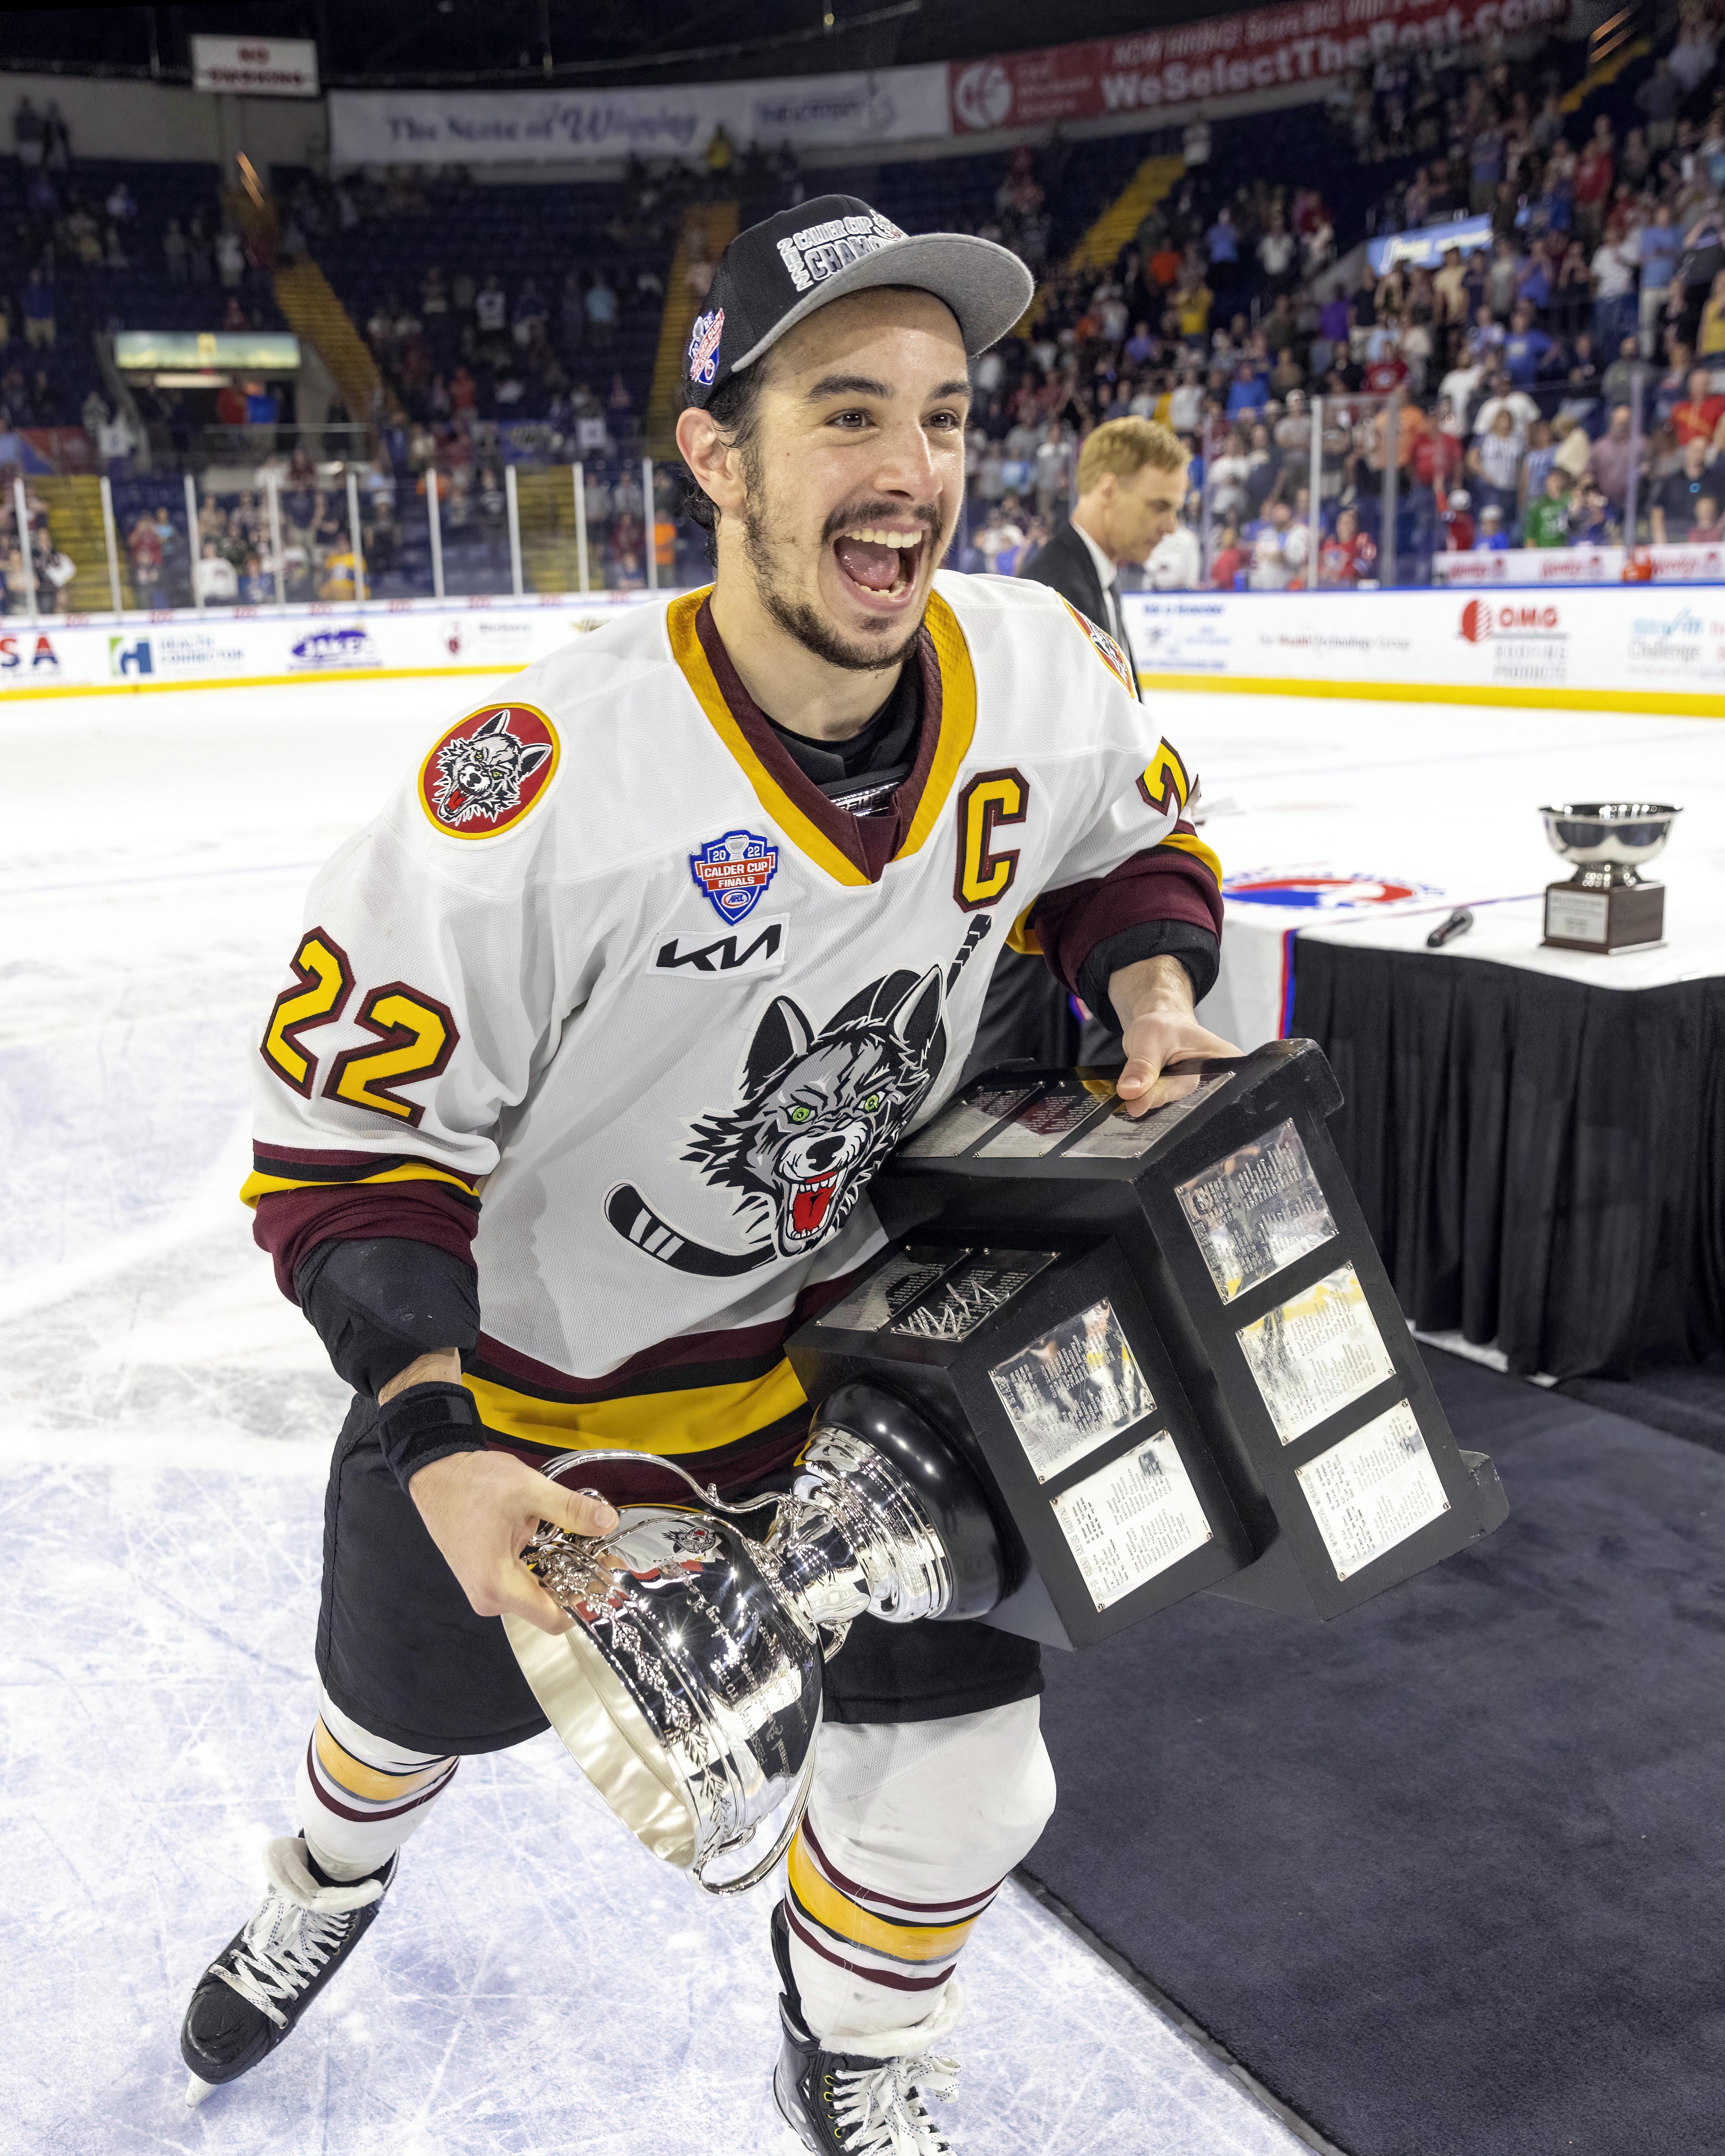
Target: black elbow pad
(379, 1306)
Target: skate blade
(197, 2090)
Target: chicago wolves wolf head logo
(480, 775)
(817, 1113)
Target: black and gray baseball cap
(781, 270)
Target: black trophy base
(1628, 916)
(1165, 1348)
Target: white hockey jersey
(610, 962)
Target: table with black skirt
(1537, 1137)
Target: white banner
(500, 127)
(255, 67)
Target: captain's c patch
(488, 771)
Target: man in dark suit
(1131, 486)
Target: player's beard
(795, 616)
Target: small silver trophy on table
(1106, 1362)
(1606, 905)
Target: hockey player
(588, 1050)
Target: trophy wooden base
(1626, 917)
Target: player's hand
(1152, 1043)
(480, 1509)
(1153, 998)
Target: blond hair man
(1132, 485)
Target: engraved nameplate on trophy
(1316, 1353)
(1072, 1390)
(1122, 1136)
(1038, 1126)
(1257, 1211)
(1130, 1521)
(893, 1288)
(1373, 1489)
(971, 1293)
(971, 1116)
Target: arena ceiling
(498, 41)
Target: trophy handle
(555, 1471)
(781, 1841)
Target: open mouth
(882, 560)
(810, 1203)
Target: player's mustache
(879, 512)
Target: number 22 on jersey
(414, 1035)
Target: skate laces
(299, 1927)
(879, 2110)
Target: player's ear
(712, 464)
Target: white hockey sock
(910, 1830)
(360, 1795)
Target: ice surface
(538, 1983)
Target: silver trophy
(689, 1688)
(1607, 905)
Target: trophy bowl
(1609, 841)
(688, 1690)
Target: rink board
(256, 647)
(1653, 647)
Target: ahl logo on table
(1322, 892)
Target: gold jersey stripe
(837, 1914)
(1021, 937)
(257, 1186)
(806, 836)
(360, 1780)
(700, 1419)
(957, 720)
(1189, 842)
(957, 732)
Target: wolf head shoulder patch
(488, 772)
(1106, 649)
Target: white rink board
(1660, 646)
(180, 648)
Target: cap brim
(987, 287)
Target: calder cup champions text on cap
(773, 275)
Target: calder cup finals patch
(704, 347)
(733, 870)
(487, 772)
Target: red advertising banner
(1155, 71)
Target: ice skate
(841, 2104)
(834, 2101)
(253, 1993)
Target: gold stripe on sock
(835, 1913)
(360, 1780)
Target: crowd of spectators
(1554, 378)
(1517, 384)
(459, 350)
